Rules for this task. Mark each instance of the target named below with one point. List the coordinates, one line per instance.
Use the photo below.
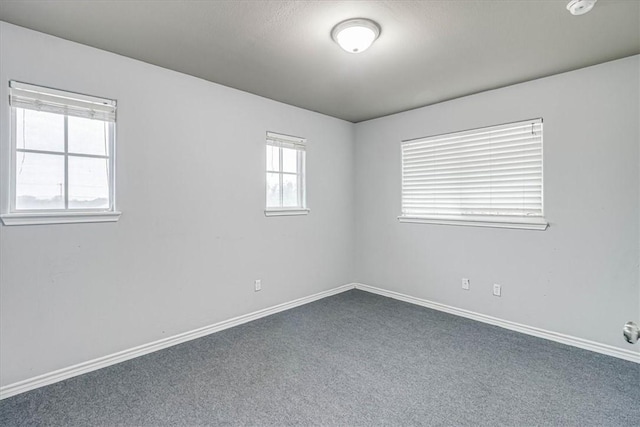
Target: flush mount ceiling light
(580, 7)
(355, 35)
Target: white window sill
(475, 221)
(39, 218)
(285, 212)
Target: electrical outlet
(497, 290)
(257, 285)
(465, 283)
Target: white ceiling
(429, 51)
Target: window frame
(12, 216)
(486, 220)
(301, 175)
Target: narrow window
(285, 179)
(62, 151)
(485, 177)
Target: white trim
(524, 224)
(62, 153)
(285, 212)
(40, 218)
(630, 355)
(112, 359)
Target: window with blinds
(490, 176)
(62, 156)
(285, 179)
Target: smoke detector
(580, 7)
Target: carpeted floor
(352, 359)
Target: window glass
(289, 160)
(289, 191)
(87, 136)
(273, 158)
(273, 190)
(36, 130)
(39, 181)
(88, 183)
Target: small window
(484, 177)
(62, 151)
(286, 186)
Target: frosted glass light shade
(355, 35)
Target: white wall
(580, 277)
(193, 235)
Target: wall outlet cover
(497, 290)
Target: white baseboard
(632, 356)
(112, 359)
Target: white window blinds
(23, 95)
(286, 141)
(490, 174)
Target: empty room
(331, 213)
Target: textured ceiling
(429, 51)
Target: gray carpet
(352, 359)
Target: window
(485, 177)
(62, 151)
(286, 192)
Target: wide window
(286, 186)
(62, 151)
(485, 177)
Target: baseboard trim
(112, 359)
(608, 350)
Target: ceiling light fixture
(355, 35)
(580, 7)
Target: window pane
(39, 181)
(36, 130)
(273, 158)
(290, 191)
(88, 183)
(289, 160)
(273, 190)
(88, 136)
